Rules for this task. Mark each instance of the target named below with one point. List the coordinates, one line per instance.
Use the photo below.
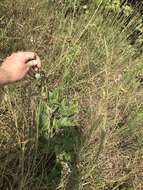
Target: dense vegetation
(77, 123)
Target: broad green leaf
(66, 122)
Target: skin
(16, 66)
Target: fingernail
(35, 62)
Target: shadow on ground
(61, 168)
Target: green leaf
(64, 108)
(66, 122)
(44, 116)
(64, 156)
(53, 96)
(74, 106)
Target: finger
(35, 69)
(29, 56)
(32, 63)
(38, 61)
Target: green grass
(86, 55)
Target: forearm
(4, 78)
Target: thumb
(29, 56)
(32, 63)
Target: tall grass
(85, 53)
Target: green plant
(54, 113)
(55, 120)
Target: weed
(57, 133)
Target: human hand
(16, 66)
